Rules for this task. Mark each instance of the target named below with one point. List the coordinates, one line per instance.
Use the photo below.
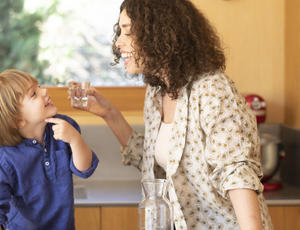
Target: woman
(199, 132)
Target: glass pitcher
(155, 210)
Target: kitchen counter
(288, 195)
(107, 193)
(126, 193)
(121, 185)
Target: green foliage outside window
(19, 38)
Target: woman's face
(125, 43)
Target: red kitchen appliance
(258, 106)
(271, 147)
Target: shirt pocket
(62, 162)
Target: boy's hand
(63, 130)
(82, 155)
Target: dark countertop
(121, 193)
(287, 195)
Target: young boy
(39, 152)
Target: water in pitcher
(155, 210)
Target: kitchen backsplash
(103, 142)
(290, 138)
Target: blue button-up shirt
(36, 186)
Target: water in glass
(77, 93)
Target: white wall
(102, 141)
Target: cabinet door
(277, 217)
(292, 217)
(87, 218)
(285, 217)
(119, 218)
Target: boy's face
(37, 106)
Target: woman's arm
(132, 149)
(103, 108)
(119, 126)
(246, 207)
(232, 148)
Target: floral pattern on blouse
(214, 147)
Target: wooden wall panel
(252, 32)
(129, 100)
(124, 98)
(292, 43)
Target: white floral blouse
(214, 147)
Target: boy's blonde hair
(14, 85)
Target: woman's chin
(133, 69)
(130, 71)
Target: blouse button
(34, 142)
(47, 163)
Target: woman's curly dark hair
(174, 38)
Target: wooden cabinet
(285, 217)
(119, 218)
(87, 218)
(106, 218)
(126, 217)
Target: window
(59, 40)
(72, 41)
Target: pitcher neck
(155, 188)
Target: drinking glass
(78, 93)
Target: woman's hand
(97, 104)
(100, 106)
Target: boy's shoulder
(6, 149)
(64, 117)
(6, 152)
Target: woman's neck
(168, 108)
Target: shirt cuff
(87, 173)
(243, 177)
(131, 152)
